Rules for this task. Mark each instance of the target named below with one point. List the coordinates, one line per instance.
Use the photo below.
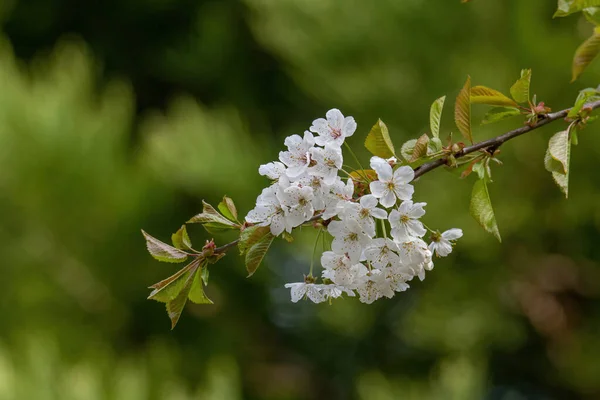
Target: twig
(498, 140)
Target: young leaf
(378, 141)
(435, 116)
(586, 53)
(212, 219)
(568, 7)
(481, 208)
(175, 306)
(592, 14)
(407, 149)
(557, 159)
(499, 113)
(251, 235)
(520, 90)
(228, 209)
(257, 252)
(420, 149)
(196, 293)
(462, 111)
(204, 273)
(435, 145)
(585, 96)
(162, 251)
(181, 240)
(485, 95)
(167, 289)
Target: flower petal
(388, 199)
(404, 174)
(452, 234)
(378, 188)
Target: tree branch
(486, 144)
(498, 140)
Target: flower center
(364, 213)
(404, 219)
(335, 132)
(353, 237)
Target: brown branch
(498, 140)
(493, 143)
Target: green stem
(312, 259)
(383, 228)
(362, 169)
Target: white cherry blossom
(382, 252)
(405, 221)
(363, 212)
(333, 129)
(270, 212)
(300, 289)
(328, 161)
(391, 184)
(297, 157)
(339, 192)
(272, 170)
(298, 202)
(349, 238)
(442, 243)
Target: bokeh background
(124, 114)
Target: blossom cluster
(307, 187)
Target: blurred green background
(124, 114)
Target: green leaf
(228, 209)
(175, 306)
(407, 149)
(420, 149)
(520, 90)
(592, 14)
(204, 275)
(462, 111)
(585, 54)
(360, 174)
(251, 235)
(585, 96)
(256, 253)
(168, 289)
(481, 208)
(435, 145)
(378, 141)
(557, 159)
(568, 7)
(212, 220)
(435, 116)
(196, 293)
(181, 240)
(162, 251)
(499, 113)
(491, 97)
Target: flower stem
(362, 169)
(383, 228)
(312, 259)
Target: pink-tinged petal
(416, 228)
(379, 213)
(335, 118)
(388, 199)
(349, 126)
(378, 188)
(320, 126)
(368, 201)
(452, 234)
(404, 174)
(417, 210)
(404, 192)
